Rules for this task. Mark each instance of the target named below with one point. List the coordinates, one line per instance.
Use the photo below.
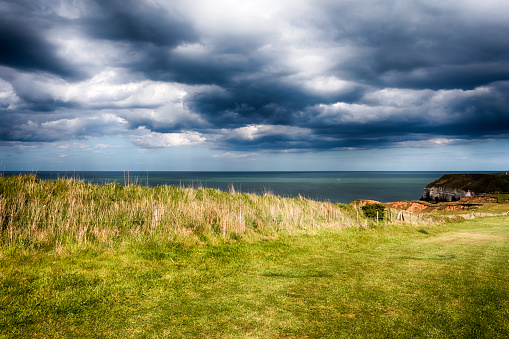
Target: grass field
(436, 280)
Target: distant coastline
(453, 187)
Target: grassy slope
(79, 260)
(36, 214)
(392, 282)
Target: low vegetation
(374, 211)
(36, 214)
(79, 260)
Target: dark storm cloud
(450, 114)
(415, 47)
(266, 101)
(213, 68)
(24, 46)
(420, 44)
(138, 22)
(316, 75)
(486, 113)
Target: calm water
(323, 186)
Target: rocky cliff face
(453, 187)
(441, 194)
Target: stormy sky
(254, 85)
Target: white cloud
(106, 90)
(80, 123)
(236, 155)
(253, 132)
(401, 104)
(328, 85)
(147, 139)
(8, 97)
(342, 112)
(110, 88)
(230, 17)
(430, 143)
(92, 54)
(107, 146)
(398, 97)
(62, 129)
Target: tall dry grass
(38, 214)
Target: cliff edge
(453, 187)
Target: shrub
(371, 210)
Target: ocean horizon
(331, 186)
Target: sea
(335, 187)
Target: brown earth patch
(400, 205)
(417, 208)
(424, 207)
(456, 207)
(409, 206)
(464, 204)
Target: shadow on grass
(295, 274)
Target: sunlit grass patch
(389, 282)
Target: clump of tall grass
(36, 214)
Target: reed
(38, 214)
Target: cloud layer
(255, 75)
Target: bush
(371, 210)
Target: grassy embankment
(68, 214)
(86, 261)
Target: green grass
(405, 281)
(80, 260)
(502, 198)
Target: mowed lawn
(438, 281)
